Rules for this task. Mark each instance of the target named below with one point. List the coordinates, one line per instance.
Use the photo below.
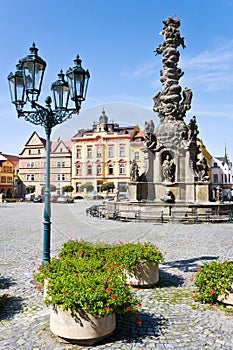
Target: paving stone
(169, 322)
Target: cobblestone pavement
(171, 319)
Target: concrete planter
(80, 327)
(143, 275)
(228, 299)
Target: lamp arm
(46, 117)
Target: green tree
(89, 187)
(52, 189)
(107, 186)
(67, 189)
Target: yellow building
(6, 176)
(103, 154)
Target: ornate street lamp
(25, 86)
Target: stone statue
(168, 169)
(193, 129)
(134, 173)
(202, 169)
(169, 197)
(150, 138)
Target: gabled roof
(55, 144)
(12, 158)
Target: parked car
(65, 199)
(77, 198)
(53, 198)
(38, 199)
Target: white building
(221, 177)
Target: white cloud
(211, 70)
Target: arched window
(79, 170)
(89, 170)
(122, 169)
(99, 169)
(110, 169)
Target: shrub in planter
(138, 261)
(213, 281)
(85, 281)
(129, 255)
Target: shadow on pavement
(190, 265)
(129, 331)
(9, 305)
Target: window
(122, 168)
(110, 152)
(99, 169)
(30, 177)
(61, 150)
(58, 164)
(7, 169)
(3, 179)
(89, 153)
(99, 152)
(136, 155)
(38, 151)
(122, 151)
(215, 165)
(110, 169)
(63, 164)
(79, 170)
(9, 180)
(60, 177)
(138, 140)
(29, 151)
(215, 178)
(78, 152)
(89, 170)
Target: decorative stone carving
(174, 165)
(202, 169)
(150, 138)
(134, 173)
(167, 102)
(168, 168)
(169, 197)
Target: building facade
(221, 178)
(104, 154)
(9, 180)
(6, 176)
(32, 163)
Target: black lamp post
(25, 86)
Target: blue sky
(116, 41)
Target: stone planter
(228, 299)
(80, 327)
(143, 275)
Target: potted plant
(139, 262)
(84, 292)
(214, 282)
